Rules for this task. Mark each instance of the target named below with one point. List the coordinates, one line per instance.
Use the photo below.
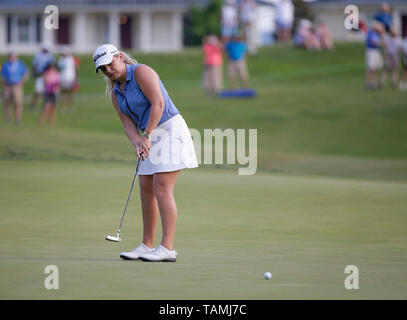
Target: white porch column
(145, 32)
(79, 32)
(176, 31)
(113, 29)
(3, 33)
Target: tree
(199, 22)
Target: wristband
(146, 135)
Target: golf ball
(267, 275)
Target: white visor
(104, 55)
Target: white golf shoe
(159, 254)
(135, 254)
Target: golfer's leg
(149, 208)
(164, 191)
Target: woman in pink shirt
(51, 83)
(213, 62)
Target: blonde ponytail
(110, 83)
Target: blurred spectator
(14, 74)
(42, 59)
(237, 67)
(306, 37)
(403, 77)
(284, 19)
(324, 36)
(384, 16)
(312, 41)
(213, 62)
(392, 44)
(229, 20)
(67, 76)
(302, 32)
(374, 60)
(248, 20)
(51, 88)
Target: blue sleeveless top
(135, 105)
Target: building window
(22, 29)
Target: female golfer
(164, 144)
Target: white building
(140, 25)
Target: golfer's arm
(149, 84)
(130, 128)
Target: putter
(117, 237)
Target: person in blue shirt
(14, 73)
(374, 59)
(237, 68)
(384, 16)
(164, 145)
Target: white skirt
(172, 148)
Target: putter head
(114, 239)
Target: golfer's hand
(139, 152)
(143, 148)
